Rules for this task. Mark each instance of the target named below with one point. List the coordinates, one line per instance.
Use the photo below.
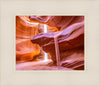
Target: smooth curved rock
(25, 31)
(61, 22)
(68, 39)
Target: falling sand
(56, 49)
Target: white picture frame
(8, 74)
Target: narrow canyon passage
(49, 42)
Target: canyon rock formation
(30, 39)
(25, 30)
(70, 40)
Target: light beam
(45, 54)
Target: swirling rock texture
(25, 30)
(70, 36)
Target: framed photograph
(49, 43)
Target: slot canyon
(49, 42)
